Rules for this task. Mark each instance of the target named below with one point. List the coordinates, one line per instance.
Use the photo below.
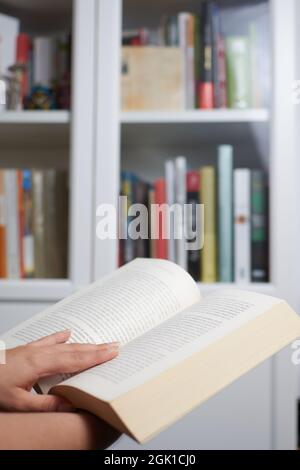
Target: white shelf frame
(195, 116)
(35, 117)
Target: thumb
(43, 403)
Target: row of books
(214, 59)
(36, 70)
(234, 226)
(33, 224)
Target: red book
(23, 57)
(161, 249)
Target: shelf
(34, 117)
(267, 289)
(191, 128)
(22, 129)
(35, 290)
(195, 116)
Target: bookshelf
(59, 140)
(142, 141)
(95, 139)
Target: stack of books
(36, 70)
(33, 224)
(214, 59)
(230, 228)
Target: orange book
(3, 266)
(21, 222)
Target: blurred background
(110, 97)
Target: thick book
(225, 212)
(242, 225)
(177, 348)
(209, 272)
(238, 72)
(259, 227)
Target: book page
(120, 308)
(172, 342)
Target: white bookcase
(96, 139)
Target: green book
(225, 212)
(209, 272)
(238, 72)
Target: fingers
(76, 358)
(56, 338)
(41, 403)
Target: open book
(177, 350)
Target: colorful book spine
(170, 192)
(190, 62)
(238, 72)
(161, 249)
(219, 59)
(3, 267)
(151, 204)
(198, 55)
(259, 228)
(183, 20)
(28, 235)
(225, 212)
(193, 199)
(180, 199)
(208, 198)
(23, 58)
(254, 59)
(12, 221)
(128, 180)
(21, 215)
(206, 87)
(39, 225)
(142, 248)
(242, 226)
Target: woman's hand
(25, 365)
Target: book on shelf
(177, 349)
(225, 212)
(221, 60)
(242, 225)
(36, 69)
(193, 199)
(259, 228)
(234, 225)
(33, 224)
(209, 272)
